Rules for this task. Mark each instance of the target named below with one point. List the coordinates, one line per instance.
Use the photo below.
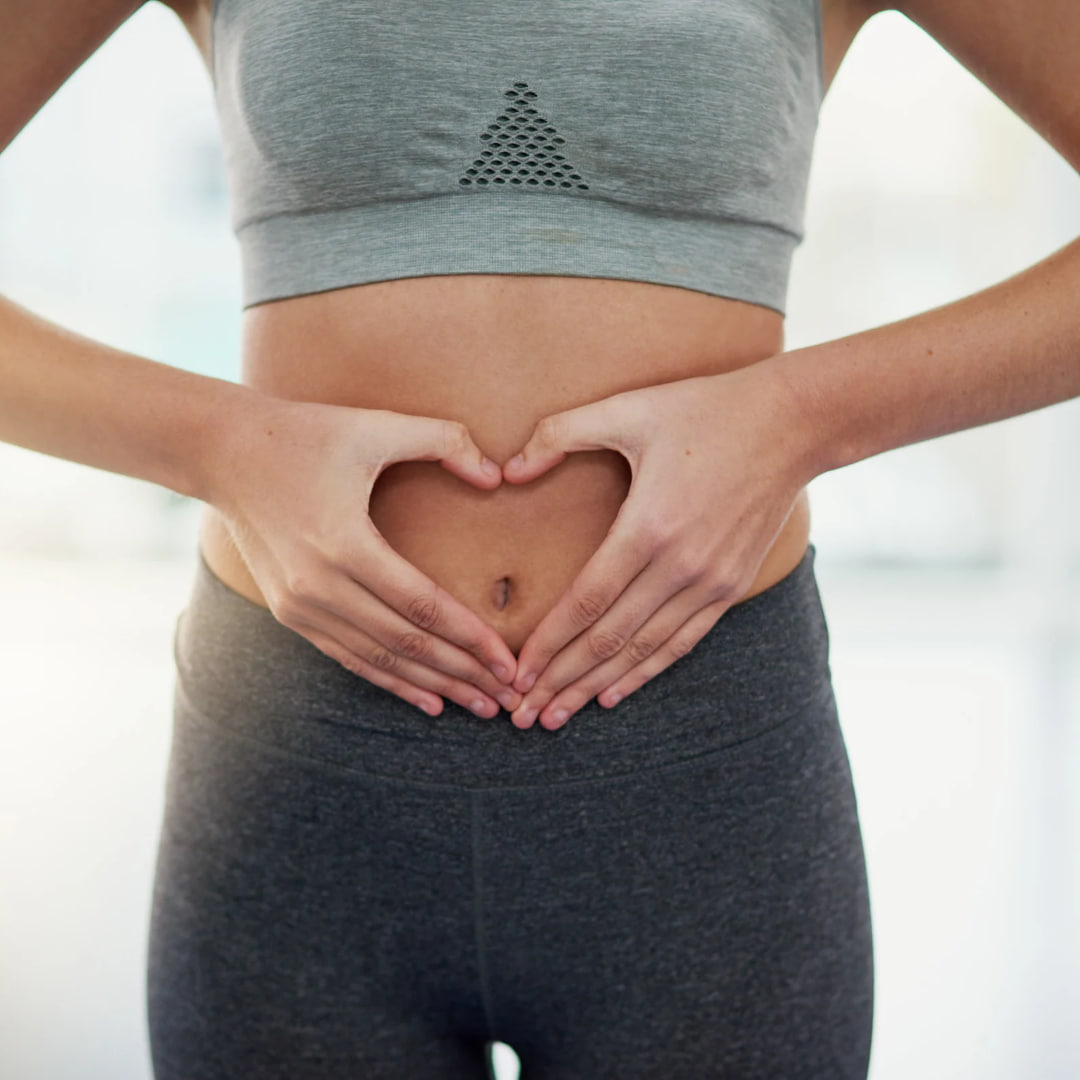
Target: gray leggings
(348, 889)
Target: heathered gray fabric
(673, 889)
(670, 140)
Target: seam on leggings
(372, 777)
(478, 920)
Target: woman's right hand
(293, 481)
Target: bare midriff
(498, 352)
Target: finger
(624, 553)
(665, 638)
(620, 632)
(597, 425)
(401, 586)
(425, 438)
(363, 656)
(429, 703)
(676, 646)
(353, 607)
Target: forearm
(75, 398)
(1000, 352)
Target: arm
(72, 397)
(67, 395)
(775, 425)
(718, 461)
(292, 480)
(1005, 350)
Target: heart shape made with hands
(562, 526)
(563, 515)
(660, 573)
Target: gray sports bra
(666, 141)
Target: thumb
(449, 443)
(584, 428)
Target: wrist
(226, 426)
(802, 416)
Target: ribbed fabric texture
(667, 142)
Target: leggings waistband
(242, 672)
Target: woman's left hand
(717, 462)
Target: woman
(560, 231)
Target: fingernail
(614, 699)
(559, 715)
(515, 462)
(489, 466)
(506, 699)
(525, 684)
(481, 708)
(529, 716)
(500, 672)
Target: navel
(500, 593)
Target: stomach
(498, 352)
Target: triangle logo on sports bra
(522, 149)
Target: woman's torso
(498, 352)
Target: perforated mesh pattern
(522, 149)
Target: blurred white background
(948, 569)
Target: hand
(293, 481)
(716, 465)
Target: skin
(680, 559)
(460, 346)
(629, 524)
(666, 436)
